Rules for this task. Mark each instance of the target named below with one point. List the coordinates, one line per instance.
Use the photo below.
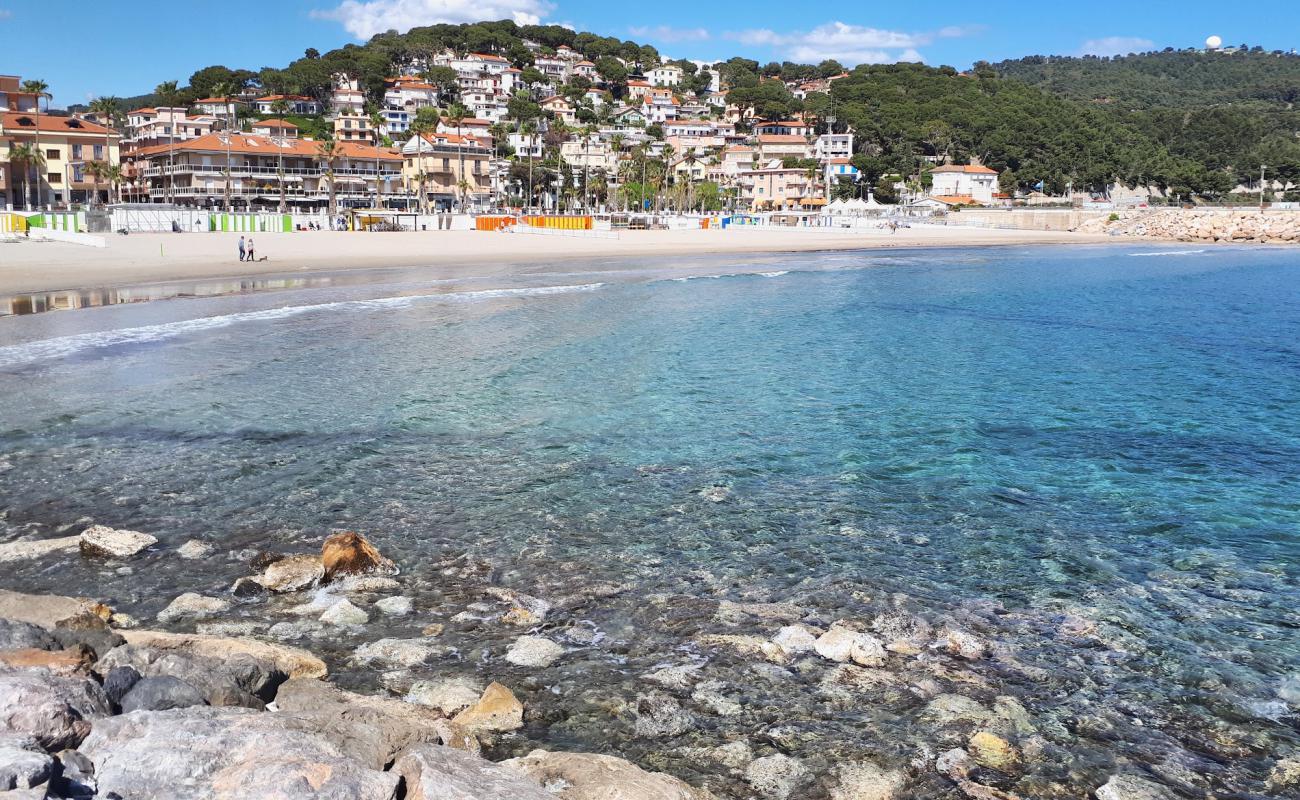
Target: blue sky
(104, 48)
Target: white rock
(398, 606)
(101, 540)
(396, 652)
(344, 613)
(39, 548)
(795, 639)
(534, 651)
(450, 696)
(960, 643)
(192, 605)
(843, 644)
(776, 776)
(866, 781)
(1131, 787)
(194, 549)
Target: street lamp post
(1261, 187)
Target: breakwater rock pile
(1201, 225)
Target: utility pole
(1261, 188)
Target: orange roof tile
(966, 168)
(17, 121)
(781, 138)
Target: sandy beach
(147, 258)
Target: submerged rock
(795, 639)
(192, 605)
(587, 776)
(867, 781)
(777, 776)
(350, 553)
(194, 549)
(343, 612)
(496, 711)
(440, 773)
(105, 542)
(449, 696)
(990, 750)
(534, 651)
(399, 606)
(1131, 787)
(844, 644)
(28, 549)
(963, 644)
(659, 716)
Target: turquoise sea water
(1017, 438)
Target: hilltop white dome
(1214, 42)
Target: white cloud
(848, 44)
(666, 33)
(1116, 46)
(365, 18)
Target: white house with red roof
(975, 181)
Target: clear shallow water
(1016, 439)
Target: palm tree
(456, 114)
(377, 120)
(25, 158)
(529, 129)
(280, 108)
(690, 160)
(107, 109)
(419, 129)
(41, 89)
(421, 178)
(329, 152)
(96, 170)
(114, 176)
(168, 95)
(587, 132)
(223, 91)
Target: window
(76, 152)
(99, 152)
(52, 155)
(446, 165)
(55, 177)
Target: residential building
(195, 172)
(562, 109)
(964, 180)
(347, 97)
(68, 144)
(665, 75)
(146, 127)
(454, 169)
(470, 126)
(773, 187)
(593, 154)
(833, 145)
(220, 107)
(631, 116)
(298, 104)
(275, 127)
(525, 145)
(557, 69)
(354, 127)
(585, 69)
(776, 145)
(12, 97)
(836, 170)
(787, 127)
(660, 106)
(636, 89)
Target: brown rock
(588, 776)
(292, 661)
(66, 663)
(350, 553)
(47, 610)
(994, 752)
(497, 711)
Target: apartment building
(972, 181)
(665, 75)
(833, 145)
(67, 145)
(773, 187)
(356, 127)
(275, 127)
(298, 104)
(438, 159)
(783, 146)
(194, 172)
(146, 127)
(347, 97)
(12, 97)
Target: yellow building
(68, 145)
(438, 157)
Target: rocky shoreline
(1200, 225)
(93, 704)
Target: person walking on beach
(241, 248)
(251, 255)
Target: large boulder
(450, 696)
(54, 711)
(349, 553)
(291, 574)
(46, 610)
(22, 764)
(105, 542)
(29, 549)
(16, 635)
(293, 662)
(497, 711)
(587, 776)
(160, 694)
(203, 753)
(66, 663)
(373, 730)
(439, 773)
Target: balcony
(248, 170)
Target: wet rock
(534, 651)
(366, 583)
(396, 652)
(712, 697)
(235, 629)
(22, 764)
(118, 681)
(291, 662)
(123, 621)
(658, 716)
(54, 711)
(449, 696)
(350, 553)
(867, 781)
(735, 755)
(373, 730)
(194, 549)
(233, 754)
(777, 776)
(992, 751)
(399, 606)
(290, 574)
(716, 494)
(525, 609)
(735, 613)
(30, 549)
(496, 711)
(161, 693)
(65, 663)
(844, 644)
(89, 630)
(955, 763)
(15, 635)
(1132, 787)
(795, 639)
(102, 541)
(440, 773)
(1284, 775)
(191, 606)
(1011, 717)
(289, 631)
(587, 776)
(947, 709)
(46, 610)
(1289, 690)
(746, 646)
(343, 613)
(965, 645)
(681, 676)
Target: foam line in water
(1167, 253)
(63, 346)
